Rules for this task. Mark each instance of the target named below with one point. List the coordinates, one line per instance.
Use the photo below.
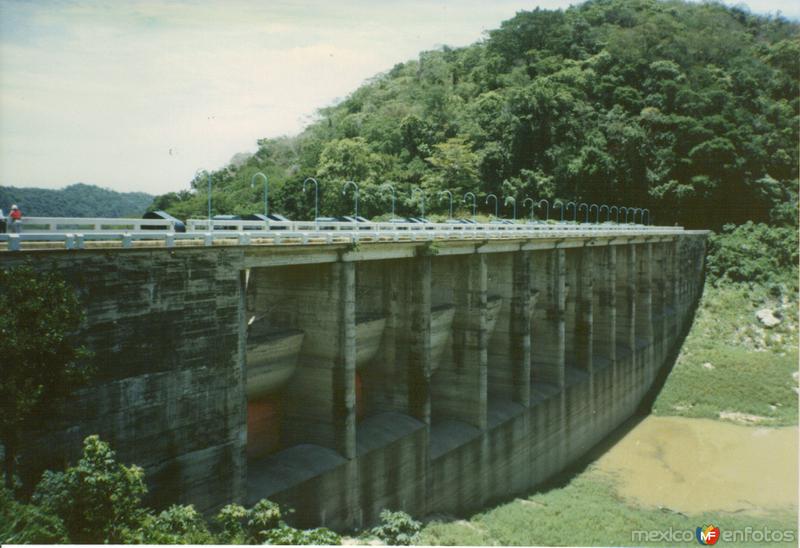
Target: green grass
(585, 512)
(731, 363)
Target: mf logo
(707, 535)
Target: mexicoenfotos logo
(707, 535)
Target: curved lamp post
(647, 211)
(600, 212)
(525, 201)
(316, 195)
(344, 191)
(450, 194)
(587, 210)
(574, 210)
(394, 195)
(496, 207)
(210, 224)
(514, 203)
(547, 208)
(615, 209)
(560, 208)
(266, 190)
(596, 214)
(474, 202)
(422, 199)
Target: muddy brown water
(701, 465)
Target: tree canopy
(688, 109)
(78, 200)
(40, 363)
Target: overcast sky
(139, 95)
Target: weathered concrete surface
(426, 379)
(165, 328)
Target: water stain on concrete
(701, 465)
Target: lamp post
(574, 210)
(587, 211)
(344, 191)
(450, 195)
(525, 201)
(266, 190)
(474, 202)
(514, 203)
(546, 210)
(210, 224)
(421, 201)
(560, 208)
(394, 197)
(496, 208)
(316, 195)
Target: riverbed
(701, 465)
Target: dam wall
(342, 380)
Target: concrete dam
(343, 379)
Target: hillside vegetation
(688, 109)
(78, 200)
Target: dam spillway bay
(341, 379)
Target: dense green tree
(78, 200)
(691, 110)
(98, 500)
(41, 363)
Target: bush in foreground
(397, 528)
(99, 501)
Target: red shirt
(15, 215)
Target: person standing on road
(15, 219)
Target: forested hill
(78, 200)
(688, 109)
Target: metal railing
(64, 233)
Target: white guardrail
(75, 233)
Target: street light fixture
(525, 201)
(266, 190)
(474, 202)
(316, 195)
(450, 195)
(496, 207)
(344, 191)
(546, 210)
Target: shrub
(754, 253)
(263, 517)
(99, 500)
(231, 520)
(265, 525)
(397, 528)
(175, 525)
(284, 534)
(28, 524)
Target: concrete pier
(343, 380)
